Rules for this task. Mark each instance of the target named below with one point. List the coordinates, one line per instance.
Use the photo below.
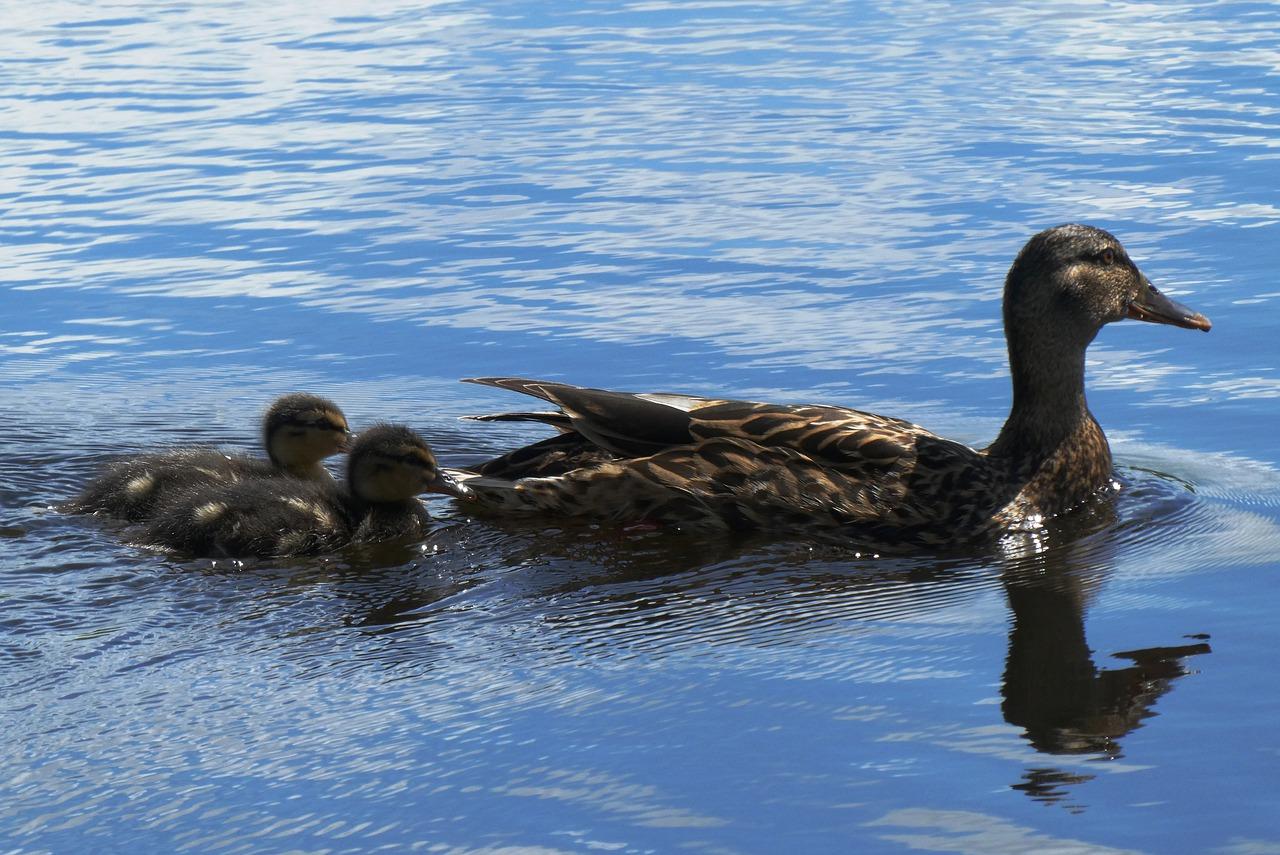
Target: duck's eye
(1107, 256)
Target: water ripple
(207, 205)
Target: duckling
(298, 431)
(722, 464)
(275, 517)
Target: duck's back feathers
(736, 484)
(615, 421)
(841, 437)
(552, 456)
(724, 482)
(629, 424)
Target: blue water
(206, 205)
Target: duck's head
(300, 430)
(391, 463)
(1070, 280)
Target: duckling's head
(1068, 281)
(391, 463)
(300, 430)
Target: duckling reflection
(1052, 689)
(274, 517)
(298, 432)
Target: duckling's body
(298, 432)
(257, 516)
(712, 463)
(273, 517)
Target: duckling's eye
(1107, 257)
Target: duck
(705, 463)
(387, 467)
(299, 431)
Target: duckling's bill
(1153, 306)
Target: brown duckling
(298, 432)
(710, 463)
(273, 517)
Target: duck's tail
(499, 494)
(558, 420)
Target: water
(210, 204)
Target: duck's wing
(641, 424)
(618, 422)
(555, 419)
(552, 456)
(725, 483)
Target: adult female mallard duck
(298, 431)
(272, 517)
(702, 462)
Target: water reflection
(210, 204)
(577, 591)
(1052, 688)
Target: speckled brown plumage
(711, 463)
(556, 455)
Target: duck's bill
(447, 483)
(1155, 307)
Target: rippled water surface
(206, 205)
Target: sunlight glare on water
(207, 205)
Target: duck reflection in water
(1052, 688)
(599, 592)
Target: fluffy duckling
(298, 431)
(275, 517)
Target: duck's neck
(1049, 418)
